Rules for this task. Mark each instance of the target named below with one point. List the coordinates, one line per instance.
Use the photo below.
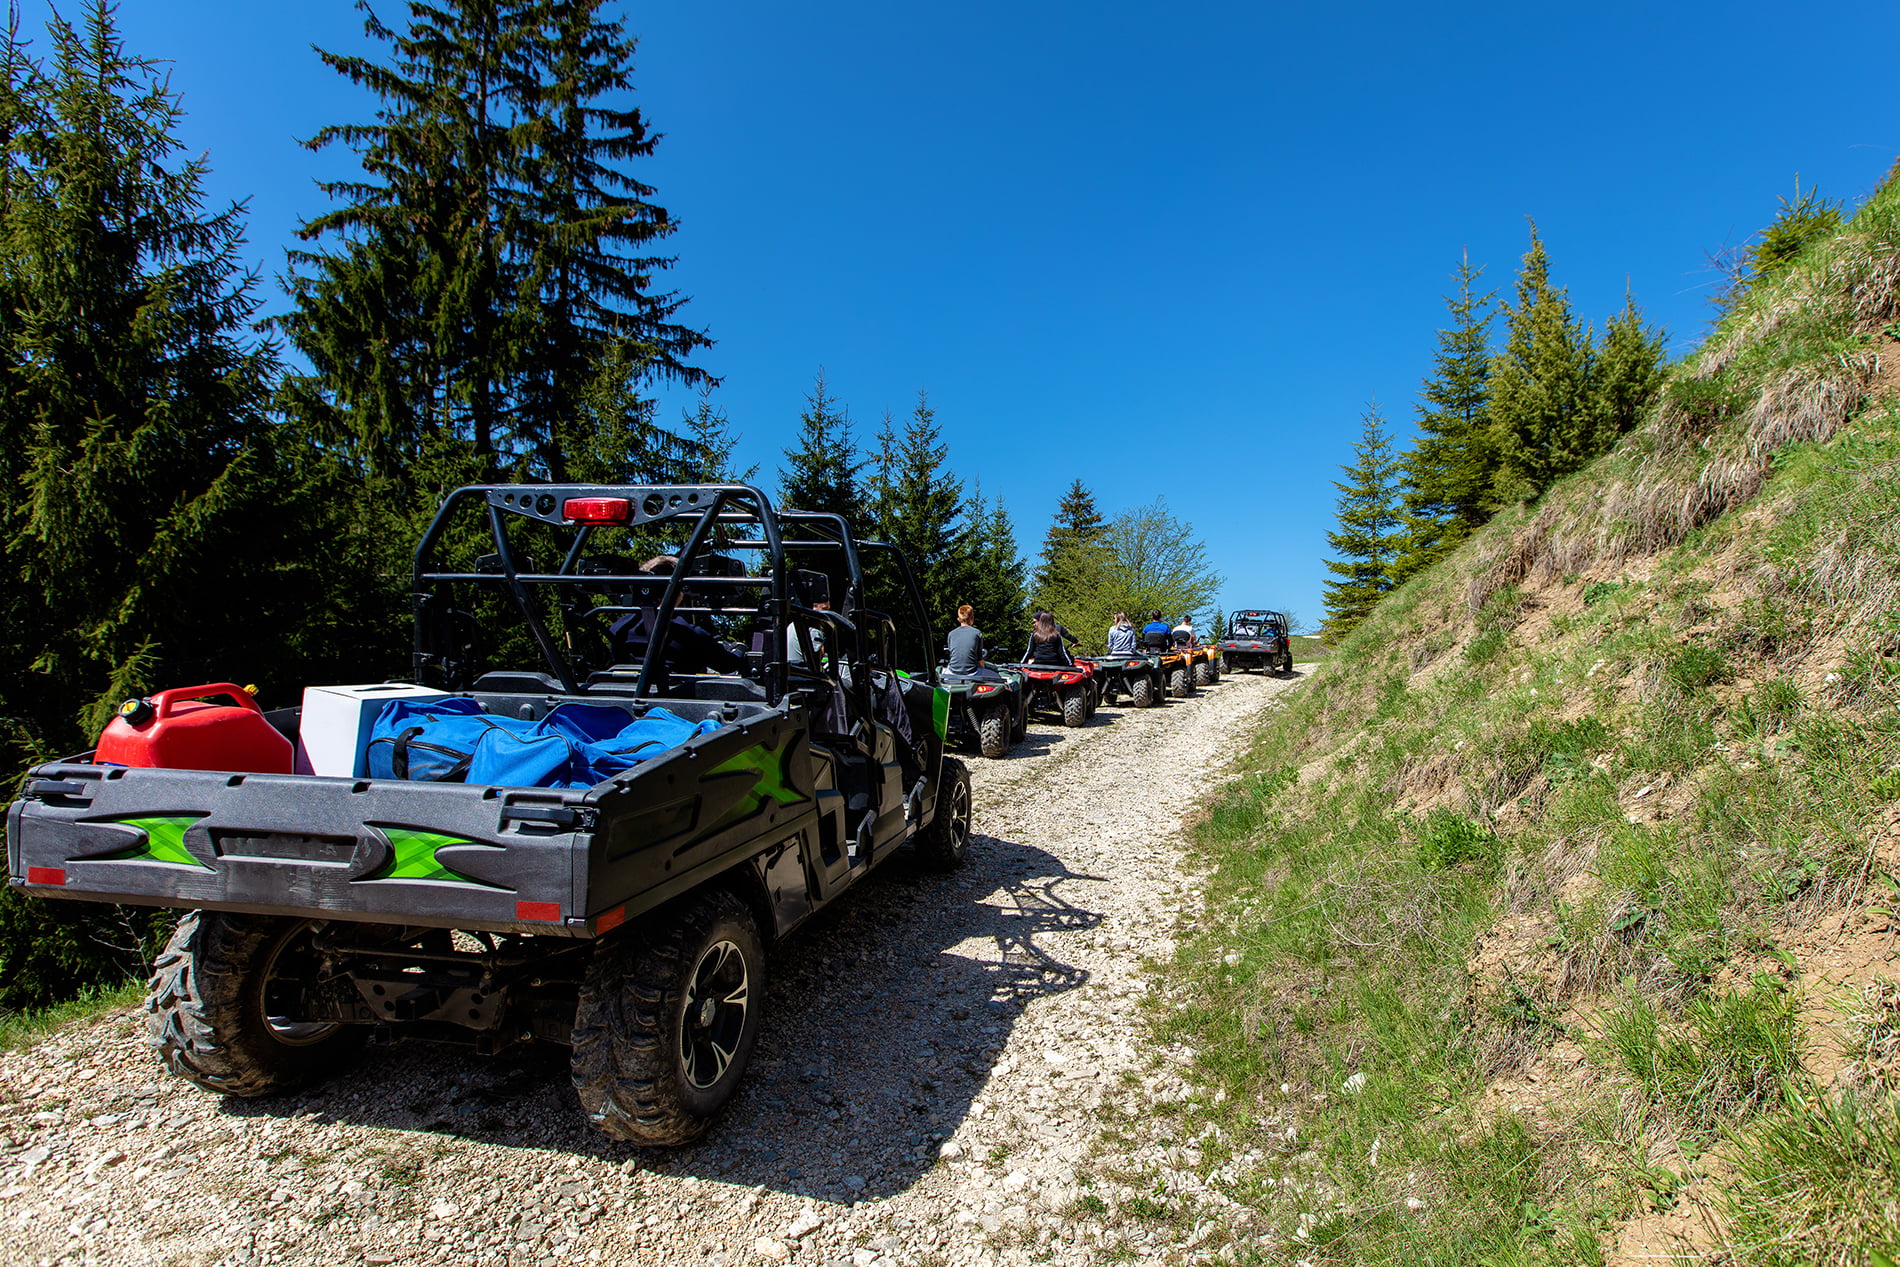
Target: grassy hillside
(1551, 922)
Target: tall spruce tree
(919, 504)
(1368, 518)
(1448, 475)
(1540, 385)
(1072, 547)
(712, 443)
(994, 582)
(484, 295)
(147, 517)
(822, 469)
(1627, 376)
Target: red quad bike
(1136, 676)
(1065, 689)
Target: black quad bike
(1257, 639)
(991, 716)
(622, 916)
(1136, 676)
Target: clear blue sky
(1172, 250)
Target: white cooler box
(333, 734)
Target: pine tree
(1449, 473)
(146, 507)
(712, 443)
(1540, 382)
(1368, 517)
(995, 583)
(821, 471)
(1072, 573)
(487, 293)
(1628, 375)
(918, 504)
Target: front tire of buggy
(993, 732)
(214, 1010)
(667, 1020)
(945, 844)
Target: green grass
(1662, 783)
(21, 1028)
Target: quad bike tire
(1075, 706)
(992, 732)
(1213, 669)
(945, 843)
(1203, 673)
(1141, 691)
(208, 1006)
(668, 1016)
(1178, 683)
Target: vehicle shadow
(883, 1019)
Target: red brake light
(983, 690)
(597, 510)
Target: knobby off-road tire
(1075, 707)
(944, 844)
(1178, 683)
(1213, 669)
(667, 1020)
(1141, 691)
(1203, 673)
(993, 732)
(208, 1009)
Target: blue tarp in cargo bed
(576, 746)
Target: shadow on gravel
(884, 1016)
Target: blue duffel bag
(575, 746)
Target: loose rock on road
(927, 1087)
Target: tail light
(983, 689)
(597, 510)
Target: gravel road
(938, 1058)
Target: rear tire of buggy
(208, 1012)
(668, 1016)
(993, 732)
(945, 844)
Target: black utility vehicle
(1257, 639)
(623, 918)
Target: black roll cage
(711, 509)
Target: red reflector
(46, 875)
(538, 910)
(612, 919)
(597, 510)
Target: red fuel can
(178, 730)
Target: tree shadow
(883, 1018)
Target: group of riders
(1049, 642)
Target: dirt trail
(924, 1090)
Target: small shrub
(1486, 647)
(1446, 840)
(1697, 666)
(1728, 1057)
(1600, 592)
(1816, 1186)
